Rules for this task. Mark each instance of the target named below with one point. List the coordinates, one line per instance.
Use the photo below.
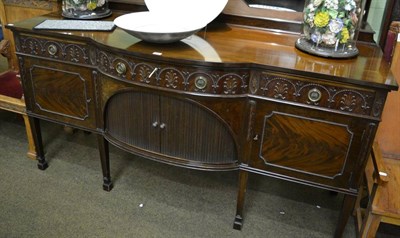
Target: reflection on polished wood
(236, 44)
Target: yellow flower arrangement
(321, 19)
(91, 6)
(84, 5)
(85, 9)
(331, 22)
(345, 35)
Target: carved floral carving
(178, 77)
(296, 90)
(68, 52)
(74, 53)
(143, 72)
(230, 85)
(254, 84)
(175, 77)
(171, 78)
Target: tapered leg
(37, 139)
(105, 162)
(31, 144)
(243, 177)
(347, 208)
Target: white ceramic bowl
(197, 12)
(155, 28)
(170, 20)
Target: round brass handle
(314, 95)
(52, 49)
(120, 68)
(200, 82)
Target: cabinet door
(59, 92)
(132, 117)
(306, 144)
(195, 135)
(168, 129)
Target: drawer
(165, 74)
(54, 49)
(314, 92)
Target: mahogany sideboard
(228, 98)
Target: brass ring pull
(314, 95)
(120, 68)
(200, 82)
(52, 49)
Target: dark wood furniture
(233, 97)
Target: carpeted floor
(149, 199)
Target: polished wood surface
(236, 44)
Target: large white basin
(153, 28)
(170, 20)
(199, 12)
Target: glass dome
(85, 9)
(330, 28)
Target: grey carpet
(149, 199)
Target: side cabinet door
(192, 133)
(58, 91)
(306, 144)
(132, 120)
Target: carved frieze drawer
(175, 76)
(54, 49)
(309, 91)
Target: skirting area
(149, 199)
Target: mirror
(266, 9)
(287, 5)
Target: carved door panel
(58, 91)
(193, 133)
(307, 144)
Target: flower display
(85, 9)
(331, 22)
(83, 5)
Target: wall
(388, 134)
(375, 16)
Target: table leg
(37, 139)
(105, 162)
(347, 208)
(243, 177)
